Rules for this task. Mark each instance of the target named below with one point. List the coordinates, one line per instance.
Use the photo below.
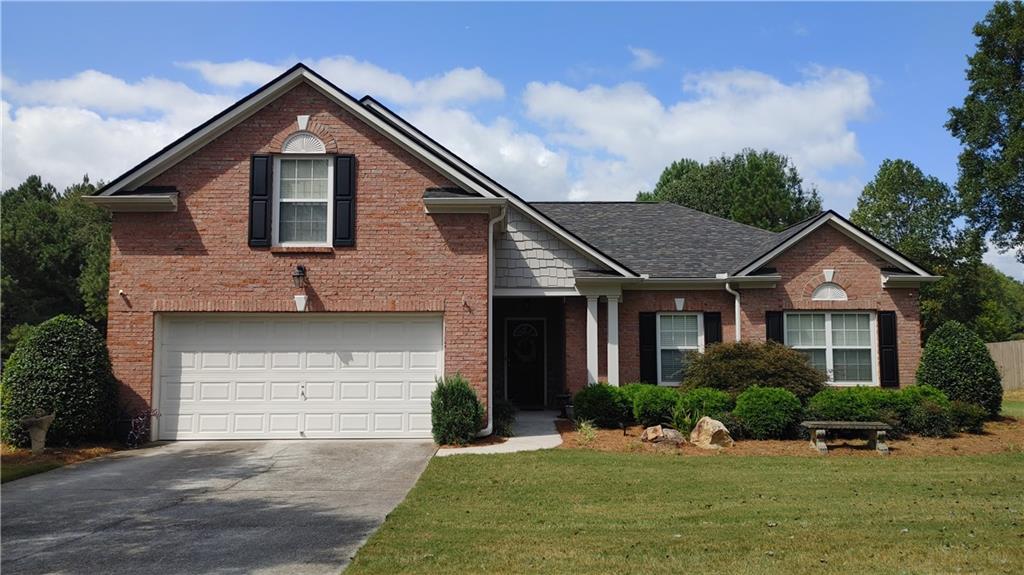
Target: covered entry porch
(529, 350)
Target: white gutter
(736, 309)
(490, 321)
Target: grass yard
(581, 511)
(16, 463)
(1013, 404)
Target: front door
(525, 340)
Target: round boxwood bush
(653, 405)
(602, 404)
(456, 413)
(706, 401)
(956, 361)
(734, 367)
(62, 367)
(767, 412)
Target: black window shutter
(260, 209)
(649, 347)
(344, 201)
(773, 326)
(888, 359)
(712, 327)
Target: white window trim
(829, 361)
(700, 341)
(276, 218)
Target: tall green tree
(55, 253)
(917, 214)
(990, 126)
(761, 189)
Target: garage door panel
(322, 376)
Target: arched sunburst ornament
(303, 143)
(829, 291)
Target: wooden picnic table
(876, 433)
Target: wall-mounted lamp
(299, 276)
(299, 281)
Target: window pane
(805, 329)
(303, 222)
(673, 365)
(304, 180)
(679, 331)
(852, 364)
(817, 357)
(851, 330)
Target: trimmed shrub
(653, 405)
(456, 412)
(967, 417)
(733, 424)
(768, 412)
(735, 367)
(706, 401)
(841, 405)
(602, 404)
(930, 419)
(61, 367)
(630, 392)
(956, 361)
(915, 394)
(504, 417)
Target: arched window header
(829, 291)
(303, 143)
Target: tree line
(941, 228)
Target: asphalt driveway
(208, 507)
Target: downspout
(736, 311)
(490, 321)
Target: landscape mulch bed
(1002, 436)
(488, 440)
(16, 462)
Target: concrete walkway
(533, 430)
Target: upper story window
(680, 335)
(303, 210)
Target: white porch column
(613, 340)
(592, 339)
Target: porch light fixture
(299, 276)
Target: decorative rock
(670, 437)
(652, 434)
(37, 427)
(710, 434)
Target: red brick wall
(801, 268)
(857, 271)
(198, 258)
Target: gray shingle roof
(664, 239)
(448, 193)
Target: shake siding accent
(528, 256)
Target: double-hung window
(680, 335)
(302, 200)
(842, 344)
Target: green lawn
(1013, 403)
(10, 472)
(577, 511)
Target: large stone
(670, 437)
(652, 434)
(710, 434)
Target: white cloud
(623, 135)
(519, 160)
(1006, 262)
(643, 58)
(359, 78)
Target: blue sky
(582, 101)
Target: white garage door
(330, 375)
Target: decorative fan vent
(303, 143)
(829, 291)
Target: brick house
(304, 264)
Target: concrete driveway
(209, 507)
